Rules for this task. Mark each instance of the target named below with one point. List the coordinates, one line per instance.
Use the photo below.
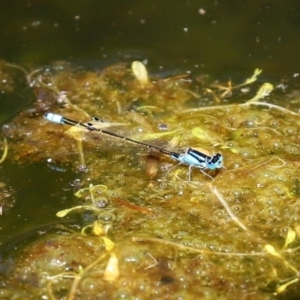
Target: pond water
(236, 235)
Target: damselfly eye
(220, 163)
(216, 162)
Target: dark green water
(223, 36)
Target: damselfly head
(215, 162)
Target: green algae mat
(146, 226)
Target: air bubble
(279, 189)
(106, 217)
(9, 130)
(292, 149)
(123, 295)
(227, 249)
(284, 231)
(236, 209)
(219, 213)
(252, 218)
(273, 211)
(281, 177)
(101, 202)
(252, 122)
(290, 131)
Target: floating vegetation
(140, 72)
(5, 150)
(7, 197)
(146, 231)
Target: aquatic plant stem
(5, 151)
(226, 206)
(82, 273)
